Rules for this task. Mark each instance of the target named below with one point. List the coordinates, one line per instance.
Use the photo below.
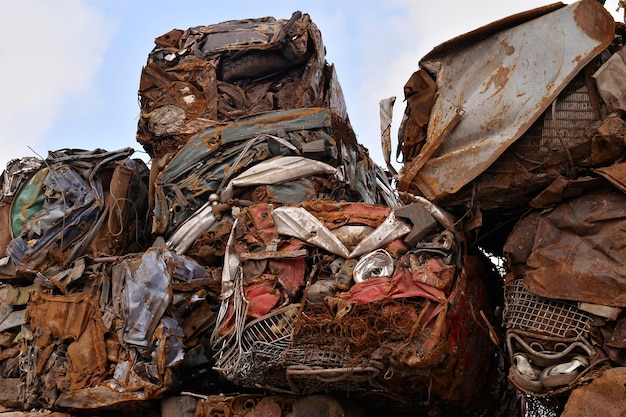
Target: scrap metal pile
(528, 150)
(264, 265)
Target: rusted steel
(616, 174)
(502, 98)
(220, 73)
(602, 396)
(582, 229)
(217, 156)
(420, 92)
(304, 272)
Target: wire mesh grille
(267, 353)
(272, 328)
(275, 328)
(272, 362)
(527, 311)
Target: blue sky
(71, 68)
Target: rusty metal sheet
(603, 396)
(616, 174)
(207, 75)
(420, 92)
(566, 140)
(181, 406)
(10, 392)
(491, 91)
(576, 251)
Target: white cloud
(50, 52)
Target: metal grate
(267, 359)
(300, 370)
(529, 312)
(274, 328)
(574, 114)
(271, 328)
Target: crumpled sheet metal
(386, 114)
(615, 174)
(118, 333)
(17, 172)
(297, 222)
(292, 314)
(574, 251)
(202, 220)
(216, 156)
(79, 203)
(603, 396)
(73, 205)
(611, 81)
(420, 92)
(279, 170)
(208, 75)
(147, 296)
(502, 96)
(75, 319)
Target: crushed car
(211, 75)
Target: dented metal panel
(510, 78)
(575, 254)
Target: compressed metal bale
(208, 75)
(79, 203)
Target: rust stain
(498, 80)
(595, 21)
(507, 48)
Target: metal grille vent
(574, 113)
(529, 312)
